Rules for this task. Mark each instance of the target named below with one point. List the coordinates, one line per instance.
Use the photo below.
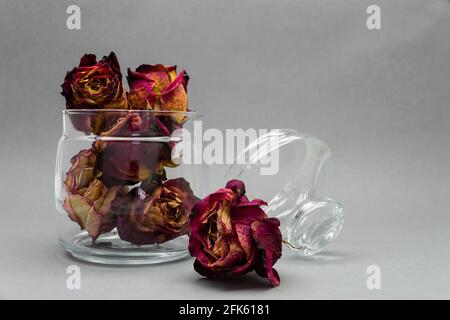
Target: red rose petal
(268, 239)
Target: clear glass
(308, 222)
(105, 159)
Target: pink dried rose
(156, 218)
(88, 200)
(230, 234)
(158, 87)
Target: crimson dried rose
(95, 85)
(158, 87)
(230, 234)
(156, 218)
(88, 200)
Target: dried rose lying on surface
(230, 234)
(156, 218)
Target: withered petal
(269, 241)
(90, 208)
(88, 60)
(207, 272)
(150, 219)
(247, 213)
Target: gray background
(380, 99)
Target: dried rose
(94, 85)
(158, 87)
(230, 234)
(88, 200)
(130, 162)
(156, 218)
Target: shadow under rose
(334, 257)
(236, 283)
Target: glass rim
(155, 112)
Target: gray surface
(379, 98)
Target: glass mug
(121, 197)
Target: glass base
(317, 224)
(110, 249)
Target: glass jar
(122, 194)
(309, 222)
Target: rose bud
(94, 85)
(88, 200)
(230, 234)
(156, 218)
(130, 162)
(158, 87)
